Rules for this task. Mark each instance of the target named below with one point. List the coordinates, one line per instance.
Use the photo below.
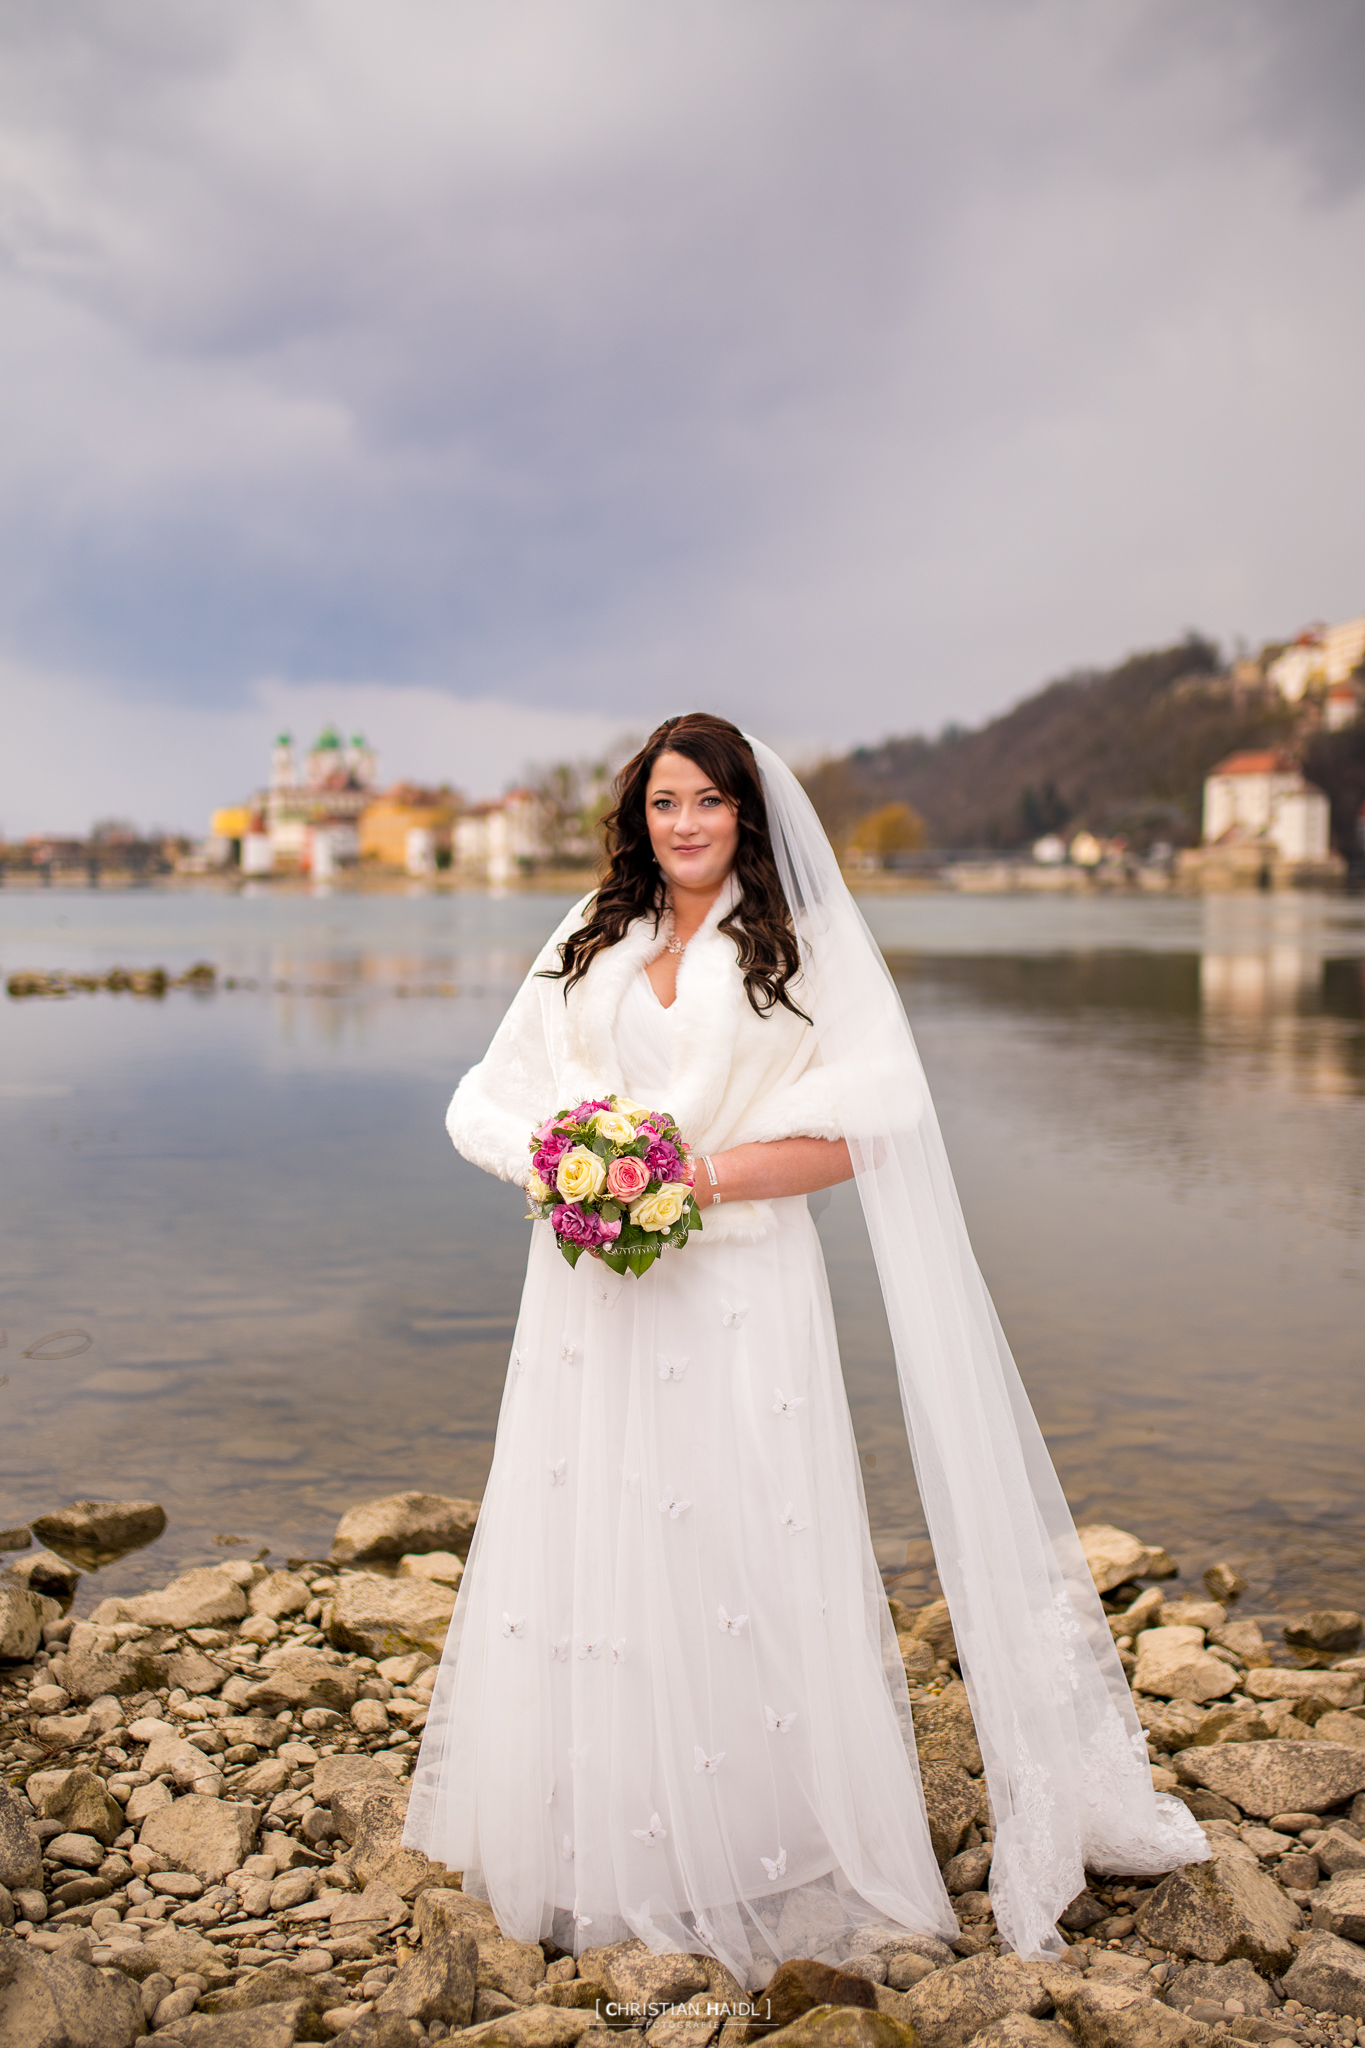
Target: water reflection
(297, 1295)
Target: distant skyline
(496, 381)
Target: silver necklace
(673, 944)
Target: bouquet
(613, 1178)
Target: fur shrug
(737, 1077)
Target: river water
(243, 1272)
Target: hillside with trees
(1121, 750)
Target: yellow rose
(580, 1174)
(633, 1110)
(538, 1189)
(661, 1210)
(615, 1128)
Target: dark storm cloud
(851, 367)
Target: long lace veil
(1065, 1759)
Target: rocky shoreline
(203, 1793)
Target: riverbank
(204, 1790)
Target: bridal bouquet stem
(612, 1178)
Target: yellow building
(387, 821)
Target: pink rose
(627, 1178)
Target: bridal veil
(1065, 1759)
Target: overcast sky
(498, 377)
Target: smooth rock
(1339, 1850)
(78, 1799)
(146, 1799)
(968, 1870)
(138, 1668)
(1335, 1688)
(21, 1622)
(1116, 2015)
(950, 1799)
(1244, 1639)
(1333, 1631)
(378, 1905)
(402, 1523)
(197, 1599)
(277, 2025)
(436, 1564)
(800, 1986)
(78, 1852)
(1173, 1664)
(382, 1617)
(45, 1572)
(265, 1779)
(104, 1527)
(17, 1538)
(438, 1912)
(1112, 1555)
(59, 2001)
(934, 1625)
(305, 1678)
(279, 1594)
(278, 1983)
(1340, 1906)
(944, 1730)
(539, 2026)
(21, 1853)
(1230, 1724)
(1274, 1777)
(368, 1717)
(176, 1950)
(437, 1982)
(1220, 1910)
(516, 1967)
(1334, 1726)
(954, 2004)
(844, 2026)
(1223, 1581)
(1328, 1975)
(1219, 1982)
(208, 1836)
(62, 1731)
(1191, 1613)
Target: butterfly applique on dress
(704, 1765)
(791, 1522)
(732, 1313)
(589, 1646)
(730, 1624)
(655, 1832)
(569, 1353)
(775, 1866)
(787, 1404)
(671, 1506)
(778, 1724)
(671, 1368)
(559, 1651)
(557, 1471)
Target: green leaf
(572, 1252)
(616, 1260)
(609, 1211)
(641, 1261)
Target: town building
(1264, 825)
(1318, 658)
(409, 827)
(502, 839)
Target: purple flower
(663, 1161)
(547, 1158)
(582, 1226)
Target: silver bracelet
(711, 1175)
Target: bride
(671, 1704)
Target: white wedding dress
(671, 1704)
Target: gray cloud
(849, 368)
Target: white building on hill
(1319, 657)
(1263, 797)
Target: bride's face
(693, 829)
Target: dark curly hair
(633, 885)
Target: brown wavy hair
(633, 884)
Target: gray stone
(950, 1799)
(944, 1730)
(208, 1836)
(1328, 1975)
(59, 2001)
(277, 1984)
(516, 1967)
(15, 1539)
(968, 1871)
(948, 2008)
(264, 1780)
(331, 1773)
(21, 1622)
(78, 1799)
(1340, 1907)
(1334, 1631)
(1220, 1910)
(1114, 1557)
(203, 1598)
(378, 1853)
(1118, 2015)
(303, 1679)
(178, 1951)
(1223, 1581)
(176, 2005)
(279, 1594)
(1172, 1663)
(378, 1906)
(381, 1617)
(934, 1625)
(45, 1572)
(1338, 1727)
(1276, 1777)
(402, 1523)
(78, 1852)
(1339, 1851)
(439, 1912)
(21, 1852)
(101, 1529)
(436, 1564)
(264, 2026)
(437, 1982)
(1019, 2030)
(1218, 1982)
(1333, 1688)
